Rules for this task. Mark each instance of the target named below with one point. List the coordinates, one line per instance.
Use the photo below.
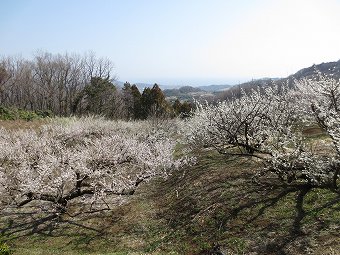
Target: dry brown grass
(22, 124)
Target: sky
(179, 42)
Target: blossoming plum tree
(320, 98)
(80, 157)
(268, 124)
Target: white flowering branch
(89, 156)
(267, 123)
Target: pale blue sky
(193, 42)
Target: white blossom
(267, 123)
(73, 157)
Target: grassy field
(216, 203)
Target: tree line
(73, 84)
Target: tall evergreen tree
(153, 102)
(146, 103)
(137, 96)
(132, 101)
(99, 96)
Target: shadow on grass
(23, 224)
(296, 231)
(211, 207)
(222, 205)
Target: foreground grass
(214, 202)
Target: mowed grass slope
(214, 205)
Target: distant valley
(212, 92)
(207, 88)
(184, 93)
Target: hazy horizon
(193, 83)
(179, 42)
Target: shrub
(27, 115)
(5, 249)
(44, 113)
(8, 113)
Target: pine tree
(99, 96)
(137, 96)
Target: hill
(187, 93)
(182, 92)
(190, 93)
(329, 68)
(212, 206)
(215, 88)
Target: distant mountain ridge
(328, 68)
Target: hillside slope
(330, 68)
(212, 206)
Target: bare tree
(50, 82)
